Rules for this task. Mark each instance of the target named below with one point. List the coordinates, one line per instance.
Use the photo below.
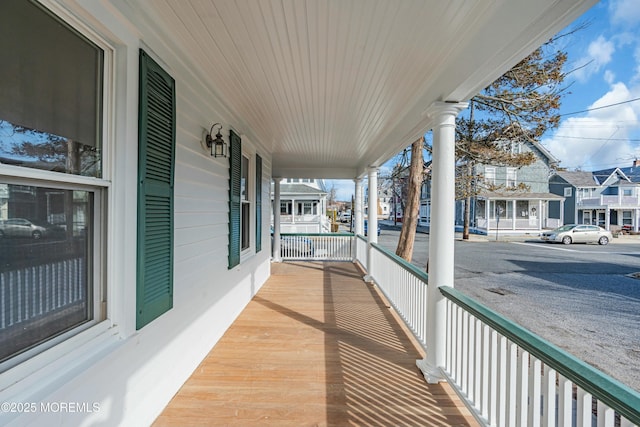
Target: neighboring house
(609, 198)
(303, 206)
(507, 208)
(574, 186)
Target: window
(49, 120)
(522, 208)
(567, 192)
(512, 174)
(490, 175)
(627, 192)
(244, 172)
(46, 264)
(627, 217)
(50, 263)
(245, 218)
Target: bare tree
(412, 208)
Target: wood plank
(316, 346)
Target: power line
(600, 108)
(597, 139)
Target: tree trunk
(412, 207)
(467, 202)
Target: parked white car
(577, 233)
(345, 216)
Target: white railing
(316, 246)
(614, 200)
(405, 286)
(510, 377)
(361, 251)
(34, 291)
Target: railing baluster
(484, 411)
(512, 383)
(549, 393)
(584, 409)
(502, 381)
(565, 402)
(523, 390)
(493, 376)
(535, 375)
(606, 415)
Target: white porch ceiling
(331, 87)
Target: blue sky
(604, 65)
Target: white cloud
(609, 77)
(600, 139)
(624, 12)
(599, 54)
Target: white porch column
(372, 218)
(514, 215)
(562, 213)
(607, 218)
(441, 234)
(373, 206)
(293, 210)
(276, 220)
(357, 219)
(540, 215)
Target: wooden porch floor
(319, 347)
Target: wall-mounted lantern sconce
(218, 146)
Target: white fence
(361, 251)
(510, 377)
(316, 246)
(405, 286)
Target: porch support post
(441, 234)
(372, 219)
(607, 218)
(276, 220)
(357, 218)
(562, 213)
(539, 214)
(514, 216)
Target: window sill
(38, 376)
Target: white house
(110, 112)
(303, 206)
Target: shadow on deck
(315, 346)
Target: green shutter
(235, 175)
(156, 154)
(258, 203)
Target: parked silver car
(577, 233)
(21, 227)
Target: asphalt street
(582, 298)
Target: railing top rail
(361, 237)
(403, 263)
(318, 234)
(616, 395)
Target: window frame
(490, 175)
(248, 199)
(511, 177)
(26, 362)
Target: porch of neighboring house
(316, 346)
(517, 214)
